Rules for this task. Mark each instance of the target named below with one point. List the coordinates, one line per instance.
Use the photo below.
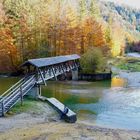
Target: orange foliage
(8, 50)
(53, 27)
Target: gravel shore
(65, 131)
(133, 78)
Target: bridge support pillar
(35, 92)
(75, 74)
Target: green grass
(28, 104)
(130, 64)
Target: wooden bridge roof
(42, 62)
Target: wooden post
(55, 69)
(2, 107)
(39, 89)
(63, 71)
(60, 68)
(37, 75)
(54, 74)
(42, 77)
(65, 65)
(44, 72)
(76, 66)
(21, 95)
(69, 66)
(50, 73)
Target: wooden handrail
(18, 93)
(14, 90)
(12, 87)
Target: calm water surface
(105, 103)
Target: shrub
(93, 61)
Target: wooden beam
(63, 70)
(54, 73)
(44, 73)
(2, 107)
(21, 95)
(50, 73)
(39, 89)
(76, 66)
(59, 68)
(42, 77)
(69, 66)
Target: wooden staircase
(9, 98)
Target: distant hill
(127, 17)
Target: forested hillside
(41, 28)
(128, 17)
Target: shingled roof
(42, 62)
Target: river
(106, 103)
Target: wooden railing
(16, 93)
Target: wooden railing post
(2, 107)
(54, 73)
(64, 72)
(39, 89)
(50, 73)
(69, 65)
(42, 77)
(21, 95)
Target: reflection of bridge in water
(39, 71)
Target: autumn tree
(8, 51)
(94, 9)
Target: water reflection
(118, 82)
(6, 83)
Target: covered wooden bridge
(38, 71)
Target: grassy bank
(129, 64)
(29, 104)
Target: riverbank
(65, 131)
(43, 123)
(32, 112)
(133, 78)
(128, 67)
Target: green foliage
(92, 61)
(28, 104)
(129, 17)
(82, 9)
(94, 9)
(130, 64)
